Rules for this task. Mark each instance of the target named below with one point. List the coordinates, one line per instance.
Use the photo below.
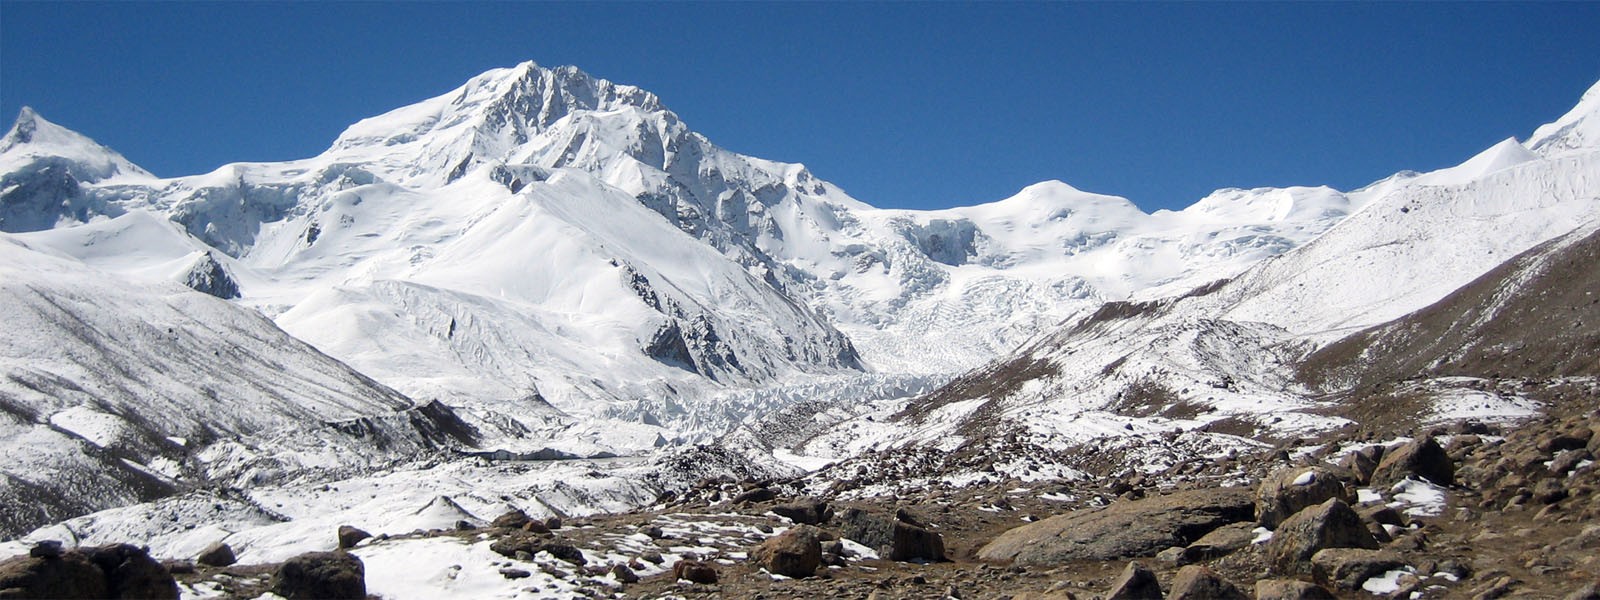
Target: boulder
(69, 576)
(1332, 524)
(1135, 583)
(1196, 582)
(1221, 542)
(793, 553)
(1291, 490)
(1420, 458)
(350, 536)
(130, 572)
(530, 544)
(894, 539)
(217, 555)
(1348, 568)
(1361, 464)
(755, 495)
(1124, 529)
(322, 576)
(624, 574)
(1290, 589)
(514, 519)
(809, 511)
(695, 571)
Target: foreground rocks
(112, 571)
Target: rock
(1331, 524)
(68, 576)
(809, 511)
(533, 526)
(793, 553)
(1135, 583)
(217, 555)
(322, 576)
(1290, 589)
(350, 536)
(1549, 491)
(1176, 556)
(1588, 592)
(511, 520)
(1567, 461)
(653, 531)
(1221, 542)
(1291, 490)
(755, 495)
(695, 571)
(1361, 464)
(892, 538)
(1422, 458)
(130, 572)
(553, 523)
(1348, 568)
(46, 549)
(1196, 582)
(1382, 514)
(624, 574)
(1573, 440)
(178, 567)
(1123, 529)
(510, 573)
(653, 557)
(521, 541)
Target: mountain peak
(1578, 129)
(32, 137)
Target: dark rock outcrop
(350, 536)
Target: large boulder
(793, 553)
(516, 541)
(893, 538)
(217, 555)
(1221, 542)
(1332, 524)
(1195, 582)
(1421, 458)
(1290, 589)
(1348, 568)
(321, 576)
(513, 519)
(1124, 529)
(1135, 583)
(1291, 490)
(350, 536)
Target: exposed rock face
(217, 555)
(1195, 582)
(1332, 524)
(1135, 583)
(1347, 568)
(1421, 458)
(321, 576)
(1290, 589)
(894, 539)
(208, 276)
(350, 536)
(793, 553)
(523, 541)
(1124, 529)
(113, 571)
(1291, 490)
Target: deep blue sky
(911, 105)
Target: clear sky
(901, 104)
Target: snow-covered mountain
(539, 235)
(1155, 382)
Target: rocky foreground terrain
(1469, 510)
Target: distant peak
(23, 129)
(1578, 129)
(32, 137)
